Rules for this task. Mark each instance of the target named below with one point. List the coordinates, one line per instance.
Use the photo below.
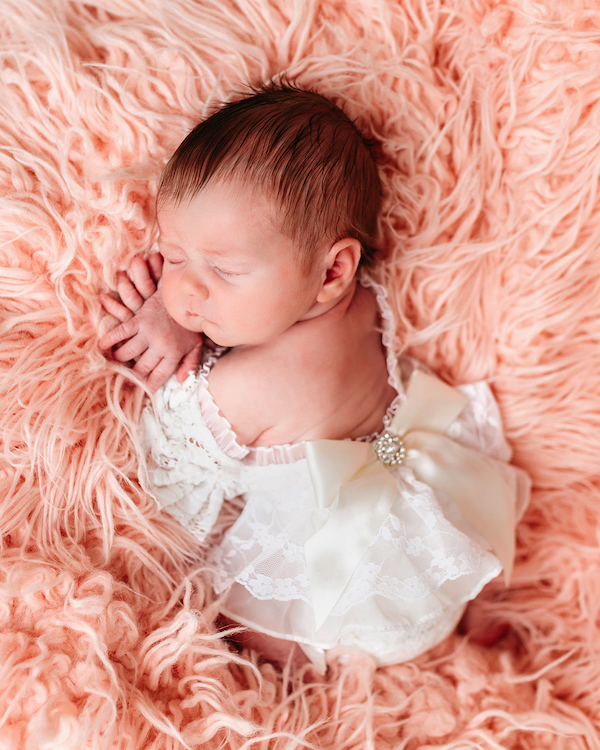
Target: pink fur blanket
(488, 116)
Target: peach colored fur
(488, 114)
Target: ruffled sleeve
(186, 472)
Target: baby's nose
(192, 284)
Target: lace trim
(287, 453)
(388, 326)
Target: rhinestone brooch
(389, 449)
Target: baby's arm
(147, 331)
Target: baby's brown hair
(299, 148)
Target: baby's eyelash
(223, 274)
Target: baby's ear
(341, 264)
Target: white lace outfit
(420, 565)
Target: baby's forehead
(227, 206)
(225, 192)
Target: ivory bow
(366, 489)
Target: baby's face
(228, 272)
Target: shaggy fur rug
(488, 118)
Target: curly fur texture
(487, 115)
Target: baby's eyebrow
(171, 245)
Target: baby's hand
(146, 331)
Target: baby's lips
(194, 313)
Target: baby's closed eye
(173, 258)
(223, 273)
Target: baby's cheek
(164, 293)
(168, 294)
(242, 312)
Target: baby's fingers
(128, 293)
(161, 373)
(115, 308)
(135, 347)
(189, 363)
(141, 277)
(119, 334)
(155, 264)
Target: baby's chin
(214, 333)
(224, 338)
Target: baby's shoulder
(313, 381)
(262, 386)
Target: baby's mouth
(198, 316)
(190, 313)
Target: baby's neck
(327, 313)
